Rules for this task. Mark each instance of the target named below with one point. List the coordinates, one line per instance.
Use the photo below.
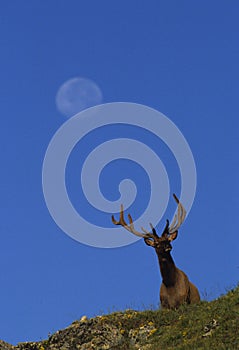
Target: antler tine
(179, 217)
(121, 220)
(175, 219)
(130, 227)
(146, 234)
(153, 234)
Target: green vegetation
(207, 325)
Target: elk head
(162, 244)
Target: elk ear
(149, 242)
(173, 236)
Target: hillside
(208, 325)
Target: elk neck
(167, 268)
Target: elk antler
(178, 218)
(174, 226)
(130, 226)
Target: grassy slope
(208, 325)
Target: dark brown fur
(176, 289)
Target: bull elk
(176, 289)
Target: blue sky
(180, 58)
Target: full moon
(77, 94)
